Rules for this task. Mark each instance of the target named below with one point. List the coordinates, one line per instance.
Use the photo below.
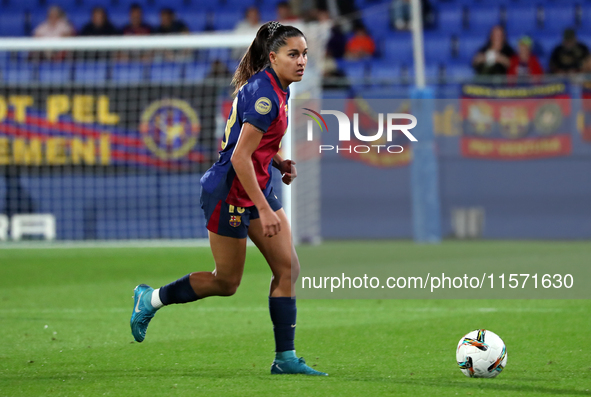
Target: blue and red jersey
(262, 102)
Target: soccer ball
(481, 354)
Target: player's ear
(273, 57)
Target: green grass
(64, 318)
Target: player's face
(289, 62)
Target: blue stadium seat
(224, 19)
(19, 73)
(457, 71)
(196, 20)
(119, 18)
(66, 5)
(212, 54)
(79, 18)
(196, 71)
(355, 70)
(12, 23)
(468, 45)
(238, 4)
(437, 48)
(91, 72)
(432, 72)
(377, 23)
(32, 5)
(546, 43)
(131, 72)
(55, 73)
(268, 14)
(166, 72)
(449, 18)
(398, 48)
(482, 17)
(522, 19)
(385, 70)
(558, 17)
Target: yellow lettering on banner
(82, 108)
(4, 157)
(102, 112)
(27, 154)
(105, 149)
(55, 151)
(3, 109)
(83, 151)
(56, 106)
(481, 147)
(20, 103)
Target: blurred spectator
(219, 70)
(285, 13)
(524, 63)
(494, 57)
(170, 24)
(586, 68)
(99, 24)
(361, 45)
(136, 25)
(337, 42)
(401, 14)
(56, 24)
(569, 55)
(251, 21)
(248, 26)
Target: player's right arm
(248, 141)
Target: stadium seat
(166, 72)
(18, 73)
(398, 48)
(195, 72)
(458, 71)
(238, 4)
(432, 71)
(119, 18)
(31, 5)
(558, 17)
(450, 18)
(268, 15)
(385, 70)
(131, 72)
(55, 73)
(546, 43)
(224, 19)
(482, 17)
(79, 18)
(521, 19)
(377, 22)
(90, 72)
(12, 24)
(355, 70)
(196, 20)
(468, 45)
(437, 48)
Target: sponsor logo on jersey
(263, 105)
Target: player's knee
(228, 287)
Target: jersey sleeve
(260, 108)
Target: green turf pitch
(64, 321)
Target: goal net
(107, 138)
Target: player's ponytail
(270, 37)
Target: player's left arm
(286, 167)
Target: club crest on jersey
(263, 105)
(235, 220)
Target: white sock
(156, 302)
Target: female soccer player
(238, 200)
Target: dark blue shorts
(228, 220)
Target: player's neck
(284, 83)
